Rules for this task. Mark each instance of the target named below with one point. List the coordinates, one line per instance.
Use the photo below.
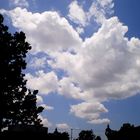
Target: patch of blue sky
(126, 111)
(61, 106)
(128, 13)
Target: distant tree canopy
(86, 135)
(126, 132)
(58, 135)
(17, 103)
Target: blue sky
(84, 60)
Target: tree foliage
(17, 103)
(86, 135)
(126, 132)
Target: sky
(84, 60)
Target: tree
(17, 103)
(86, 135)
(126, 132)
(98, 138)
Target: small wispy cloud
(98, 11)
(47, 107)
(62, 126)
(19, 3)
(37, 63)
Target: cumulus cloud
(71, 90)
(104, 66)
(105, 63)
(90, 111)
(43, 29)
(77, 14)
(44, 82)
(62, 126)
(20, 3)
(45, 121)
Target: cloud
(98, 11)
(44, 82)
(37, 62)
(20, 3)
(44, 29)
(90, 111)
(103, 67)
(104, 64)
(46, 107)
(80, 30)
(77, 14)
(62, 126)
(45, 121)
(106, 3)
(99, 121)
(69, 89)
(39, 99)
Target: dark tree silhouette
(98, 138)
(58, 135)
(17, 103)
(126, 132)
(86, 135)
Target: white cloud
(47, 31)
(105, 67)
(69, 89)
(106, 3)
(80, 30)
(38, 62)
(20, 3)
(62, 126)
(44, 82)
(47, 107)
(40, 102)
(90, 111)
(45, 121)
(39, 99)
(98, 11)
(99, 121)
(77, 14)
(102, 67)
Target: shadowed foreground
(31, 131)
(126, 132)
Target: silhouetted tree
(126, 132)
(86, 135)
(65, 136)
(17, 103)
(58, 135)
(98, 138)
